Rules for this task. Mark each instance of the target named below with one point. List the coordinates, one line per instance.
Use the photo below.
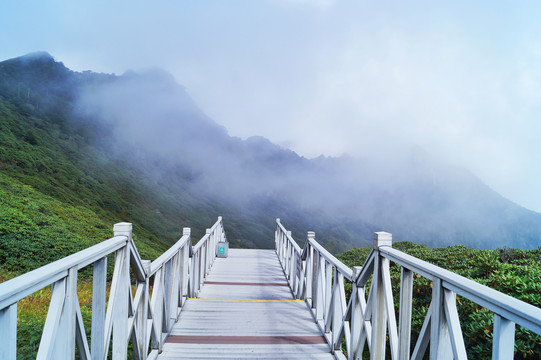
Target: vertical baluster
(339, 309)
(356, 321)
(193, 275)
(294, 281)
(389, 307)
(328, 294)
(291, 261)
(167, 272)
(142, 313)
(404, 327)
(319, 302)
(50, 329)
(98, 308)
(156, 305)
(8, 329)
(301, 293)
(440, 341)
(175, 285)
(453, 321)
(503, 339)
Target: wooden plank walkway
(246, 311)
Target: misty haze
(149, 121)
(270, 179)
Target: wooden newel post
(379, 314)
(310, 268)
(221, 233)
(120, 315)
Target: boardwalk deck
(246, 311)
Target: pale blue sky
(462, 79)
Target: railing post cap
(278, 220)
(219, 218)
(356, 271)
(146, 265)
(186, 231)
(311, 235)
(382, 238)
(123, 228)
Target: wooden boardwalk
(246, 311)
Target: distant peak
(41, 57)
(38, 55)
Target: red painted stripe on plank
(245, 340)
(244, 283)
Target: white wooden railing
(142, 306)
(369, 319)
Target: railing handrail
(144, 317)
(289, 237)
(509, 307)
(342, 268)
(168, 254)
(17, 288)
(318, 277)
(207, 235)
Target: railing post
(206, 256)
(379, 315)
(185, 265)
(309, 267)
(276, 237)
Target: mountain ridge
(148, 123)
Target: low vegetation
(512, 271)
